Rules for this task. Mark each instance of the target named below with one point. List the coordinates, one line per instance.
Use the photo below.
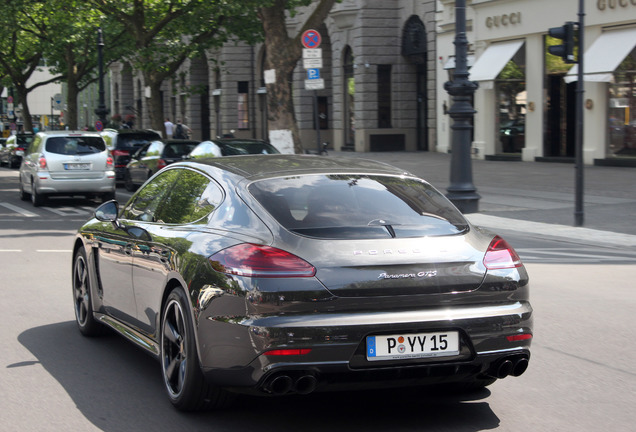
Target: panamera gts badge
(423, 274)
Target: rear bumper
(48, 186)
(338, 360)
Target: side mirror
(107, 212)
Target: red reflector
(287, 352)
(500, 255)
(161, 164)
(252, 260)
(519, 337)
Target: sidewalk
(535, 197)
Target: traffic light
(566, 49)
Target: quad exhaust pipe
(281, 384)
(510, 366)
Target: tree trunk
(155, 107)
(283, 54)
(26, 113)
(71, 103)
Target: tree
(282, 54)
(72, 47)
(166, 33)
(23, 35)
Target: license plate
(412, 345)
(77, 166)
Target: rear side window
(358, 206)
(76, 145)
(135, 140)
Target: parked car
(283, 274)
(123, 143)
(14, 149)
(154, 156)
(67, 163)
(231, 147)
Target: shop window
(621, 123)
(511, 104)
(384, 96)
(243, 105)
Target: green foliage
(555, 65)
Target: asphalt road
(582, 374)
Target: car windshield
(177, 150)
(358, 206)
(247, 147)
(74, 145)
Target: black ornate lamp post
(101, 111)
(461, 191)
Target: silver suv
(67, 163)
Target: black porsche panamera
(277, 274)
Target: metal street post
(580, 90)
(101, 111)
(461, 191)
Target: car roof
(275, 165)
(68, 133)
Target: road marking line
(53, 250)
(66, 211)
(17, 209)
(10, 250)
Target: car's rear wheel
(36, 198)
(184, 382)
(23, 195)
(82, 300)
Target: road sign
(311, 39)
(99, 126)
(313, 74)
(312, 53)
(314, 84)
(10, 99)
(311, 63)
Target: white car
(67, 163)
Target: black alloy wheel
(182, 376)
(82, 302)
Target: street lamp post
(101, 111)
(461, 191)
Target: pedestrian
(169, 128)
(181, 131)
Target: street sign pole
(312, 61)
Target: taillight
(19, 149)
(500, 255)
(109, 162)
(118, 153)
(161, 164)
(248, 259)
(42, 162)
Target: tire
(183, 380)
(82, 297)
(23, 195)
(128, 184)
(36, 198)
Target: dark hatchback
(288, 274)
(153, 157)
(123, 143)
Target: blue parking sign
(313, 73)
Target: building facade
(378, 66)
(525, 105)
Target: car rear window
(176, 150)
(358, 206)
(75, 145)
(133, 141)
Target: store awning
(450, 63)
(493, 60)
(604, 55)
